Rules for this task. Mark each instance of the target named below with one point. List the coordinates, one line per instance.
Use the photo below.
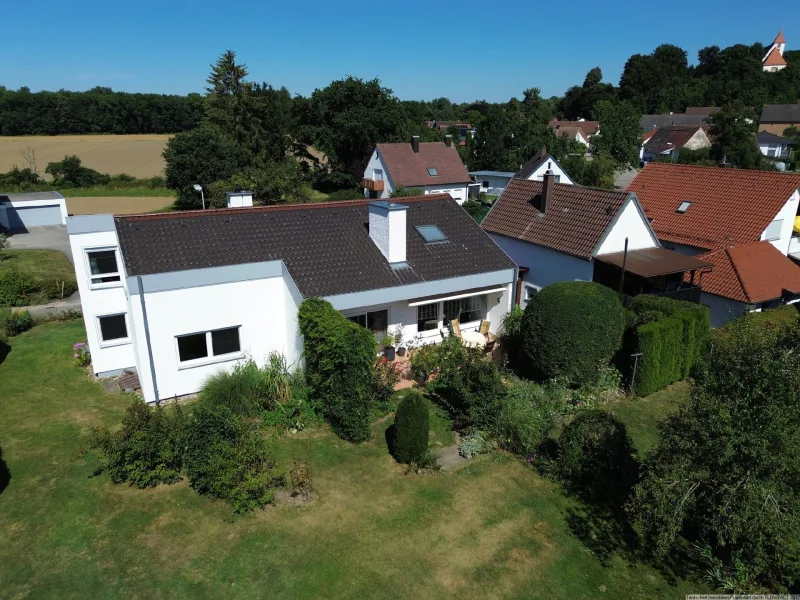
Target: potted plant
(388, 347)
(398, 341)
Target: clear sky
(422, 50)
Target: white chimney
(239, 199)
(387, 229)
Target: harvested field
(118, 205)
(137, 155)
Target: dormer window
(684, 206)
(432, 172)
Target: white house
(667, 142)
(774, 146)
(558, 232)
(542, 162)
(434, 167)
(177, 296)
(491, 182)
(18, 212)
(722, 216)
(773, 60)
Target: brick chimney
(548, 181)
(387, 229)
(415, 143)
(448, 140)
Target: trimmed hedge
(572, 329)
(340, 367)
(672, 336)
(411, 428)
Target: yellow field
(137, 155)
(118, 205)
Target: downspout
(147, 338)
(517, 288)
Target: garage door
(21, 217)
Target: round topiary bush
(596, 455)
(571, 329)
(411, 428)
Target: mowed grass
(137, 155)
(492, 529)
(642, 415)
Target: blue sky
(422, 50)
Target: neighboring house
(556, 232)
(668, 141)
(535, 168)
(18, 212)
(651, 122)
(435, 167)
(463, 128)
(581, 130)
(777, 118)
(491, 182)
(773, 60)
(716, 214)
(177, 296)
(702, 110)
(774, 146)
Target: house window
(377, 321)
(103, 266)
(773, 231)
(113, 328)
(485, 184)
(428, 317)
(377, 174)
(195, 346)
(466, 310)
(530, 292)
(432, 172)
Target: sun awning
(456, 295)
(652, 262)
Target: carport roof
(30, 196)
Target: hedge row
(671, 336)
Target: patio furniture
(455, 328)
(473, 339)
(484, 328)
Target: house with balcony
(739, 220)
(558, 232)
(434, 167)
(175, 297)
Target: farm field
(118, 205)
(137, 155)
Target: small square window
(103, 266)
(225, 341)
(113, 327)
(192, 347)
(432, 172)
(684, 206)
(430, 233)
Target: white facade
(12, 210)
(698, 141)
(491, 183)
(631, 224)
(779, 231)
(376, 169)
(560, 174)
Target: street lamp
(199, 188)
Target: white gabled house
(177, 296)
(434, 167)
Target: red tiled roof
(648, 135)
(774, 58)
(728, 206)
(751, 273)
(574, 221)
(588, 127)
(409, 168)
(780, 39)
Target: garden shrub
(571, 329)
(425, 361)
(227, 459)
(474, 443)
(411, 428)
(527, 415)
(18, 288)
(295, 413)
(14, 322)
(248, 388)
(340, 367)
(386, 377)
(596, 456)
(147, 450)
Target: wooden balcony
(373, 185)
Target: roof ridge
(273, 208)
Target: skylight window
(432, 172)
(684, 206)
(431, 233)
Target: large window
(103, 266)
(113, 328)
(428, 317)
(377, 321)
(196, 346)
(466, 310)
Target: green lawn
(47, 267)
(104, 191)
(641, 415)
(492, 529)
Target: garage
(20, 212)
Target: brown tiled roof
(574, 222)
(588, 127)
(751, 273)
(530, 166)
(728, 206)
(702, 110)
(669, 138)
(652, 262)
(774, 58)
(408, 168)
(326, 246)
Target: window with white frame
(773, 231)
(103, 266)
(530, 292)
(208, 344)
(466, 310)
(113, 329)
(428, 317)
